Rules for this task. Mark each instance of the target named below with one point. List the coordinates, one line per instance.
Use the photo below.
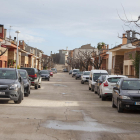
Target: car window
(30, 71)
(75, 70)
(86, 73)
(8, 74)
(44, 72)
(131, 85)
(97, 75)
(23, 74)
(113, 79)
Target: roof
(131, 79)
(99, 71)
(115, 76)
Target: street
(64, 109)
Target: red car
(51, 73)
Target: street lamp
(17, 48)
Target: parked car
(45, 74)
(85, 77)
(106, 87)
(11, 85)
(98, 83)
(78, 75)
(70, 72)
(26, 81)
(54, 70)
(74, 71)
(94, 75)
(51, 73)
(35, 77)
(65, 70)
(126, 94)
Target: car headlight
(124, 97)
(26, 84)
(13, 87)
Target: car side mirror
(115, 88)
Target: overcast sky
(51, 25)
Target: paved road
(63, 109)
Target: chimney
(21, 44)
(124, 39)
(14, 40)
(5, 31)
(133, 35)
(107, 47)
(1, 31)
(128, 37)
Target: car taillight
(105, 84)
(33, 76)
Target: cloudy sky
(51, 25)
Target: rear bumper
(107, 95)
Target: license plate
(2, 93)
(137, 103)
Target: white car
(85, 77)
(74, 71)
(106, 88)
(94, 75)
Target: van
(74, 71)
(94, 75)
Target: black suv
(35, 77)
(11, 85)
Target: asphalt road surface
(64, 109)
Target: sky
(51, 25)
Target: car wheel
(120, 109)
(49, 79)
(19, 99)
(103, 98)
(39, 86)
(95, 91)
(36, 86)
(113, 105)
(89, 88)
(27, 94)
(92, 89)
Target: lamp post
(17, 48)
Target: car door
(21, 84)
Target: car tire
(95, 91)
(27, 94)
(92, 89)
(89, 88)
(113, 105)
(39, 86)
(120, 109)
(19, 99)
(103, 98)
(36, 86)
(49, 79)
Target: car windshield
(79, 72)
(29, 70)
(114, 79)
(8, 74)
(75, 70)
(86, 73)
(23, 74)
(97, 75)
(44, 72)
(131, 85)
(53, 69)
